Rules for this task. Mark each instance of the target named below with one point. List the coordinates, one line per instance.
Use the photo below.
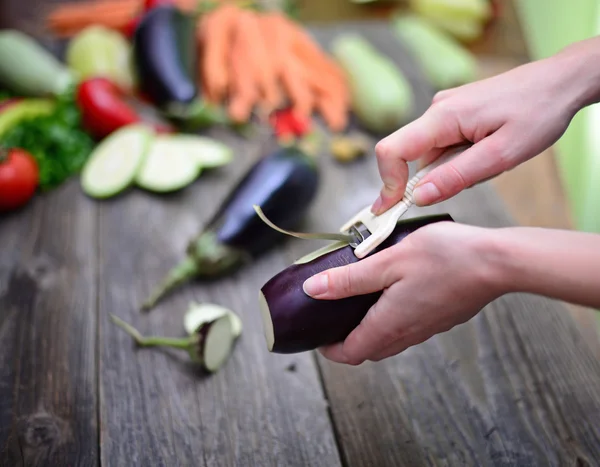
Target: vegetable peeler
(369, 230)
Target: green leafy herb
(5, 94)
(57, 141)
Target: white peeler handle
(383, 225)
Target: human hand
(436, 278)
(510, 118)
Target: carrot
(69, 18)
(243, 86)
(298, 91)
(333, 111)
(262, 58)
(216, 33)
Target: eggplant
(165, 54)
(294, 322)
(284, 183)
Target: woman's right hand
(510, 118)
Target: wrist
(577, 64)
(504, 264)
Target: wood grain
(48, 370)
(156, 408)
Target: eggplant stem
(181, 273)
(152, 341)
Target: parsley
(57, 141)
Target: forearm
(560, 264)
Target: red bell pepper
(104, 109)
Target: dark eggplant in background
(284, 184)
(165, 54)
(295, 322)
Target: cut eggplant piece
(215, 343)
(295, 322)
(200, 314)
(166, 168)
(210, 345)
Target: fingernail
(316, 285)
(377, 205)
(427, 194)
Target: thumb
(482, 161)
(366, 276)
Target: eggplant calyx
(212, 257)
(197, 114)
(182, 272)
(184, 343)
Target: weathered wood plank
(48, 384)
(514, 386)
(156, 409)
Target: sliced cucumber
(113, 164)
(209, 152)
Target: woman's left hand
(436, 278)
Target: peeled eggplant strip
(339, 237)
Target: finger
(397, 348)
(363, 277)
(334, 353)
(374, 333)
(429, 157)
(434, 129)
(482, 161)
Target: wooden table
(514, 386)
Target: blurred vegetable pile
(138, 74)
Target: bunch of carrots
(250, 61)
(264, 61)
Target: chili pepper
(287, 124)
(104, 110)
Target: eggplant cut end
(218, 344)
(267, 321)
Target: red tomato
(19, 178)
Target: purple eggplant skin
(295, 322)
(283, 184)
(164, 50)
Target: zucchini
(295, 322)
(208, 153)
(382, 97)
(27, 69)
(166, 168)
(114, 163)
(445, 62)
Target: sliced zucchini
(167, 167)
(209, 152)
(112, 166)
